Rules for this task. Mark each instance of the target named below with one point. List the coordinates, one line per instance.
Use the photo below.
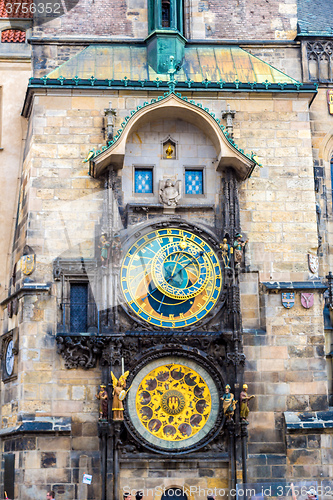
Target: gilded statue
(229, 403)
(244, 399)
(239, 246)
(119, 394)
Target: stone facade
(74, 187)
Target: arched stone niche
(173, 107)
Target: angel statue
(170, 192)
(119, 395)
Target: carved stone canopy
(174, 107)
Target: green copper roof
(315, 18)
(210, 63)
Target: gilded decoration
(173, 402)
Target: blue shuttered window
(78, 307)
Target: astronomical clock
(173, 404)
(172, 282)
(171, 278)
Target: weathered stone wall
(236, 20)
(195, 477)
(276, 19)
(14, 77)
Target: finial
(172, 70)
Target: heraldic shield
(313, 263)
(288, 300)
(27, 264)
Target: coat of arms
(288, 300)
(307, 300)
(28, 264)
(313, 263)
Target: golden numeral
(169, 231)
(125, 291)
(173, 324)
(149, 318)
(123, 278)
(171, 316)
(181, 315)
(199, 305)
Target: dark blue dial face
(171, 278)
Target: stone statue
(229, 403)
(239, 245)
(119, 394)
(102, 395)
(170, 192)
(104, 246)
(244, 399)
(225, 251)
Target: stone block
(85, 443)
(318, 403)
(303, 457)
(279, 472)
(48, 459)
(297, 403)
(35, 477)
(58, 475)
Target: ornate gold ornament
(28, 264)
(173, 402)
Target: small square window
(143, 180)
(193, 181)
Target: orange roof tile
(13, 9)
(13, 36)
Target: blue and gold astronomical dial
(171, 278)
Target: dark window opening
(166, 14)
(9, 474)
(78, 307)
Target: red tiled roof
(13, 36)
(13, 9)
